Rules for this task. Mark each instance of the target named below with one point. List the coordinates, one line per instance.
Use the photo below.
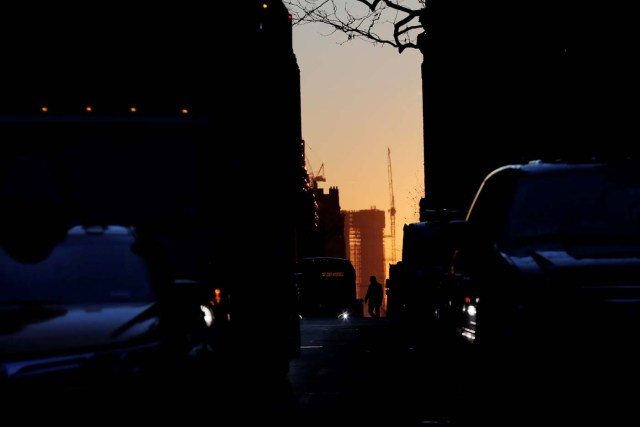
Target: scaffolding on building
(364, 232)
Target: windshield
(83, 269)
(586, 206)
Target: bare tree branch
(385, 22)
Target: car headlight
(208, 315)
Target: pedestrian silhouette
(373, 297)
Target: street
(365, 370)
(369, 372)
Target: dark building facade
(330, 223)
(157, 125)
(507, 82)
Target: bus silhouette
(327, 287)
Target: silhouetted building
(330, 222)
(542, 83)
(364, 232)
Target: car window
(593, 205)
(490, 209)
(80, 270)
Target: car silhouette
(549, 258)
(96, 306)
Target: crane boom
(314, 177)
(392, 208)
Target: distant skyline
(358, 101)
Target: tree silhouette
(382, 22)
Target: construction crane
(392, 209)
(317, 176)
(314, 176)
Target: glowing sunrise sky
(358, 100)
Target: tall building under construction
(355, 235)
(364, 238)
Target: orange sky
(358, 100)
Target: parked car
(89, 307)
(548, 259)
